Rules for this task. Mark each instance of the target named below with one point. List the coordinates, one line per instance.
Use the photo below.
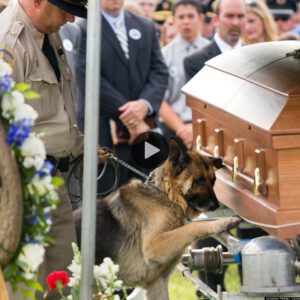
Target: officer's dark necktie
(50, 54)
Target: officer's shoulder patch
(8, 56)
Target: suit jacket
(143, 75)
(195, 62)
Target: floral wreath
(40, 198)
(38, 187)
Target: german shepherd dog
(142, 226)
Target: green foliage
(31, 95)
(57, 181)
(21, 87)
(24, 88)
(180, 288)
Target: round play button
(149, 150)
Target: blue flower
(5, 83)
(46, 169)
(46, 216)
(33, 220)
(18, 132)
(30, 240)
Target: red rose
(55, 276)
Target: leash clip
(109, 153)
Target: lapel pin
(135, 34)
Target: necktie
(50, 54)
(121, 36)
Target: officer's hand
(133, 112)
(101, 154)
(137, 130)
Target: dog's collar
(150, 180)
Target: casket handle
(219, 138)
(201, 137)
(239, 152)
(259, 187)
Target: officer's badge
(68, 45)
(8, 56)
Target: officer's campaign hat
(207, 8)
(75, 7)
(282, 9)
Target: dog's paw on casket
(226, 224)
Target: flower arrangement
(105, 279)
(39, 188)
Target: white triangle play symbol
(150, 150)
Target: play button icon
(149, 150)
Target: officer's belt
(62, 164)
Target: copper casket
(246, 110)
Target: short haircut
(216, 6)
(194, 3)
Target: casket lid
(259, 84)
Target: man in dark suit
(229, 19)
(134, 77)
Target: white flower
(75, 269)
(43, 185)
(118, 284)
(109, 291)
(102, 282)
(32, 255)
(29, 276)
(28, 162)
(34, 152)
(116, 297)
(5, 68)
(73, 282)
(10, 102)
(25, 111)
(98, 272)
(108, 267)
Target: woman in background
(168, 31)
(260, 25)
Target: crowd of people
(149, 50)
(186, 32)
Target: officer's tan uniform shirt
(55, 107)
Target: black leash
(76, 169)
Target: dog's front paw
(228, 223)
(233, 222)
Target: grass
(181, 288)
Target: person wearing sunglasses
(284, 13)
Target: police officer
(284, 13)
(30, 44)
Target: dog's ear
(217, 162)
(178, 155)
